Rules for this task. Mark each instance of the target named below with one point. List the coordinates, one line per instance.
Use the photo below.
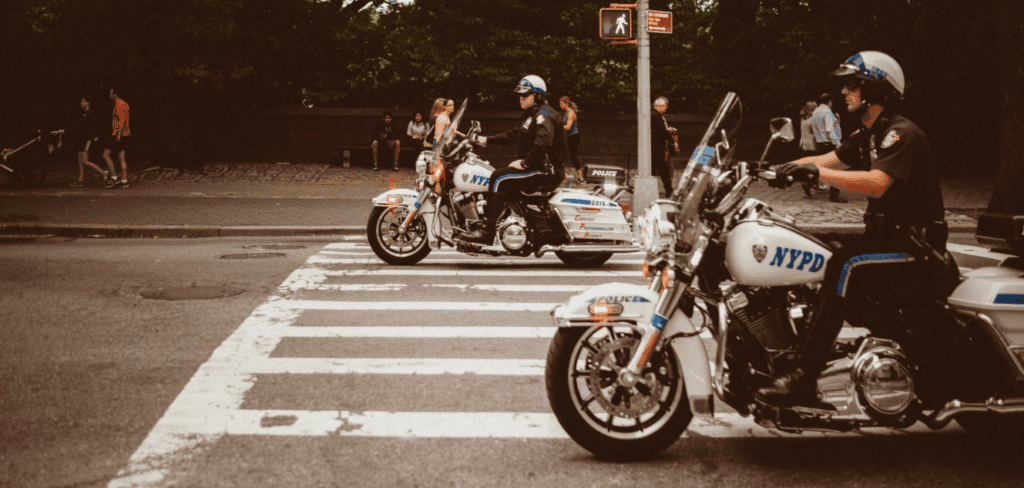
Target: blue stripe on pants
(879, 258)
(513, 176)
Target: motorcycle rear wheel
(584, 259)
(387, 244)
(603, 417)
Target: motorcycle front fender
(637, 307)
(405, 197)
(399, 197)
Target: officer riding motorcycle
(537, 135)
(888, 160)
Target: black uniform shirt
(897, 147)
(537, 134)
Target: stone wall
(323, 135)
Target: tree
(1009, 192)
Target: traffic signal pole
(645, 186)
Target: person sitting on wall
(384, 133)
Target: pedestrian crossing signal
(616, 23)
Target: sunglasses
(853, 85)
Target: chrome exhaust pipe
(587, 248)
(944, 416)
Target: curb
(189, 231)
(174, 231)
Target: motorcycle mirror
(782, 128)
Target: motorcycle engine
(512, 233)
(766, 314)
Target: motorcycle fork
(415, 206)
(667, 303)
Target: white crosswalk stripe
(346, 280)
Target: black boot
(484, 234)
(799, 385)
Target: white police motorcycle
(582, 226)
(627, 371)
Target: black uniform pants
(888, 267)
(510, 180)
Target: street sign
(658, 21)
(616, 23)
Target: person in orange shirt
(118, 141)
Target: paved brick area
(289, 194)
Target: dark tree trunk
(1009, 192)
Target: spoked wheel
(388, 244)
(597, 410)
(34, 176)
(583, 259)
(28, 177)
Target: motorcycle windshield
(719, 143)
(449, 133)
(724, 130)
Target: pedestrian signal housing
(616, 23)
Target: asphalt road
(332, 369)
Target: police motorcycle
(627, 370)
(582, 226)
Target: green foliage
(381, 53)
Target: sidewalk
(225, 199)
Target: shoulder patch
(891, 138)
(540, 119)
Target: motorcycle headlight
(422, 161)
(657, 232)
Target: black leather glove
(801, 172)
(780, 182)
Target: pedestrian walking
(82, 135)
(808, 146)
(118, 142)
(384, 134)
(572, 132)
(826, 135)
(662, 145)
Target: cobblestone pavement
(964, 199)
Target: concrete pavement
(226, 199)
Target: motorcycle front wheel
(583, 259)
(388, 244)
(613, 421)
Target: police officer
(537, 135)
(888, 160)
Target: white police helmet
(531, 84)
(876, 68)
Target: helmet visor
(846, 70)
(521, 90)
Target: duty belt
(926, 237)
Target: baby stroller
(23, 163)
